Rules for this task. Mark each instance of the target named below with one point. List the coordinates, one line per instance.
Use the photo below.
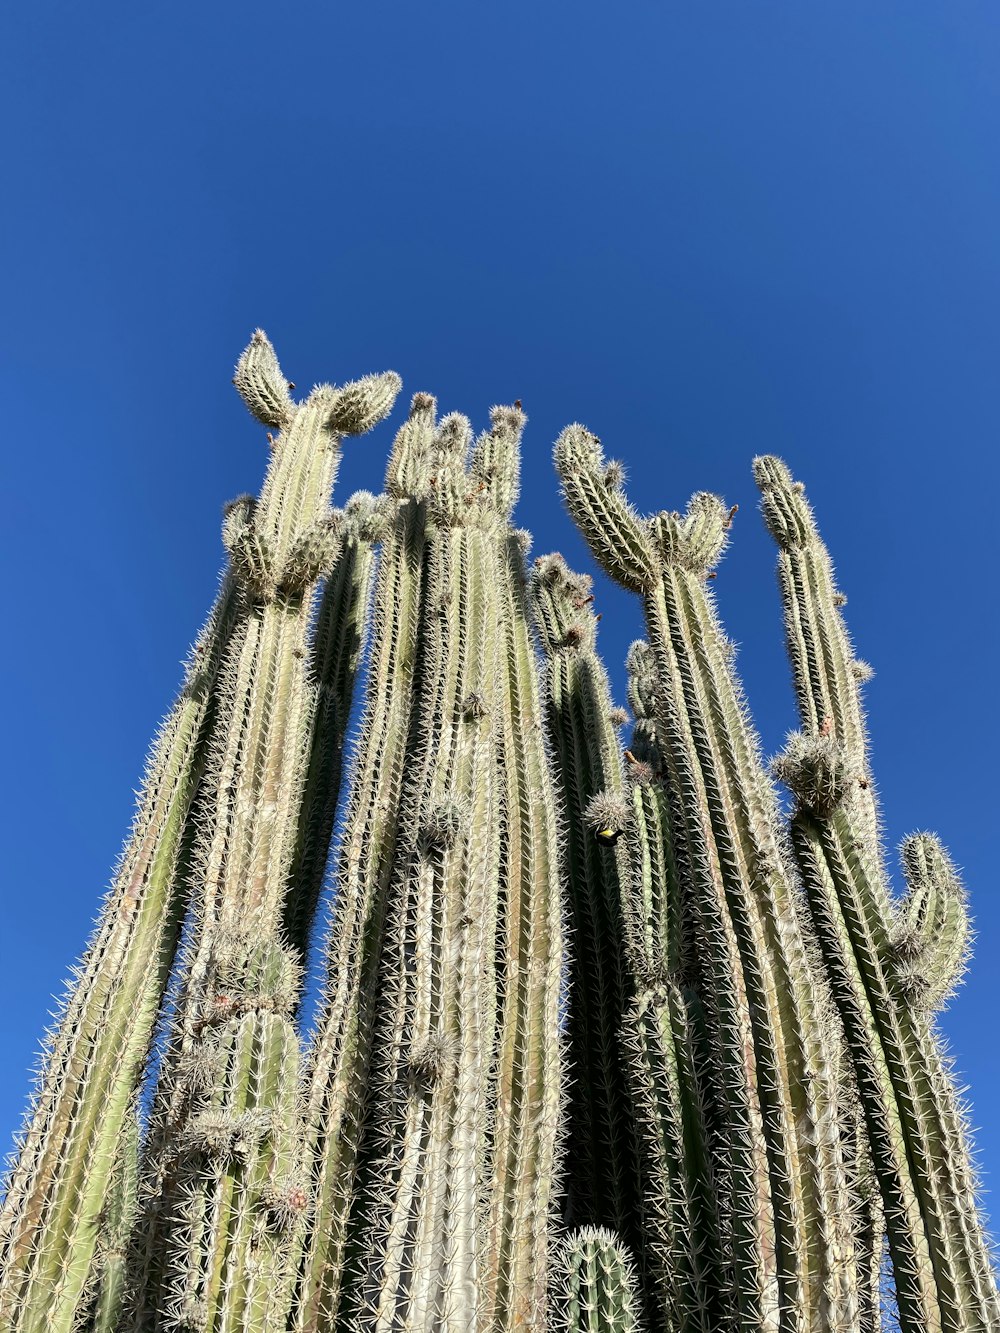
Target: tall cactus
(890, 964)
(222, 1127)
(549, 962)
(443, 1068)
(780, 1171)
(58, 1188)
(602, 1176)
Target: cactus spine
(726, 1051)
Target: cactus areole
(606, 1040)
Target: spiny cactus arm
(58, 1184)
(869, 1218)
(337, 647)
(337, 1070)
(240, 1189)
(530, 1091)
(280, 546)
(423, 1197)
(931, 931)
(852, 964)
(782, 1145)
(261, 384)
(409, 468)
(693, 1287)
(106, 1298)
(494, 464)
(825, 671)
(640, 663)
(597, 1289)
(602, 1182)
(940, 1257)
(592, 489)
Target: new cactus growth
(604, 1044)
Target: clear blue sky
(707, 230)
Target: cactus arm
(694, 1292)
(665, 1042)
(279, 547)
(616, 535)
(336, 1074)
(424, 1248)
(104, 1300)
(94, 1059)
(450, 1208)
(597, 1284)
(786, 1211)
(530, 1079)
(941, 1261)
(336, 654)
(931, 930)
(261, 384)
(239, 1188)
(602, 1170)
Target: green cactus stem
(781, 1178)
(602, 1174)
(449, 1064)
(279, 548)
(104, 1299)
(887, 962)
(338, 1063)
(336, 653)
(58, 1186)
(598, 1284)
(666, 1045)
(240, 1185)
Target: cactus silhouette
(605, 1041)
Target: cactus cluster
(607, 1041)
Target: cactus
(203, 1205)
(59, 1184)
(435, 1083)
(598, 1292)
(769, 1086)
(890, 963)
(605, 1043)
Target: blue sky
(705, 230)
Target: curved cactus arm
(261, 384)
(597, 1290)
(94, 1057)
(602, 1169)
(784, 1182)
(931, 930)
(592, 489)
(280, 546)
(337, 1068)
(941, 1261)
(336, 654)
